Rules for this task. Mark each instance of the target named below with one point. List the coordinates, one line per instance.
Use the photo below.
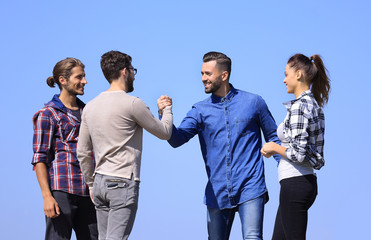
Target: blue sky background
(167, 40)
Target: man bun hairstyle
(63, 68)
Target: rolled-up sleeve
(298, 123)
(42, 138)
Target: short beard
(71, 91)
(214, 86)
(130, 85)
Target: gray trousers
(116, 203)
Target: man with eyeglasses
(112, 128)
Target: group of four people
(92, 157)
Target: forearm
(167, 121)
(272, 148)
(43, 179)
(278, 149)
(144, 117)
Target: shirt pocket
(117, 191)
(69, 131)
(245, 126)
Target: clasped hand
(163, 102)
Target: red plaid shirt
(54, 143)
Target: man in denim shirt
(229, 124)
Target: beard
(130, 84)
(214, 86)
(74, 90)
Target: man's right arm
(85, 152)
(186, 130)
(42, 143)
(51, 208)
(188, 127)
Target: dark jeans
(77, 213)
(296, 197)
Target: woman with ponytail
(301, 150)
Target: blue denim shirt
(230, 138)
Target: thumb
(57, 209)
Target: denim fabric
(116, 203)
(229, 131)
(77, 213)
(219, 222)
(296, 197)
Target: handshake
(163, 102)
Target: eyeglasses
(134, 70)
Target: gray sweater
(112, 127)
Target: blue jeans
(116, 203)
(219, 221)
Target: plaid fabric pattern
(304, 129)
(54, 143)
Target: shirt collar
(290, 103)
(229, 96)
(57, 103)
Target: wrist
(46, 196)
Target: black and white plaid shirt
(304, 130)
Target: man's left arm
(267, 124)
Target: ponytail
(315, 73)
(320, 82)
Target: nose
(84, 81)
(203, 78)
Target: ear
(225, 76)
(62, 80)
(123, 73)
(299, 74)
